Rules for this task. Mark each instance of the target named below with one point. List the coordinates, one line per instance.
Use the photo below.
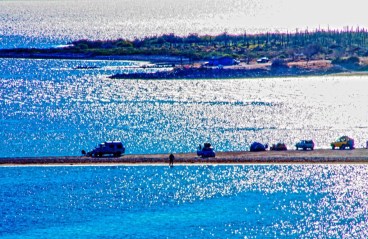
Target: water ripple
(60, 112)
(304, 201)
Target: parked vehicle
(256, 147)
(278, 147)
(263, 60)
(115, 148)
(206, 151)
(305, 144)
(343, 143)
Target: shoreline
(194, 70)
(231, 73)
(317, 156)
(82, 56)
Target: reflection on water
(48, 107)
(311, 201)
(50, 23)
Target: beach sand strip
(240, 157)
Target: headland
(267, 54)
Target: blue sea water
(252, 201)
(57, 108)
(54, 108)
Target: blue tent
(255, 147)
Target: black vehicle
(278, 147)
(115, 148)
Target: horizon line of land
(340, 50)
(306, 44)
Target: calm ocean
(51, 108)
(289, 201)
(55, 108)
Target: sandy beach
(318, 156)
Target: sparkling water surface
(58, 107)
(40, 23)
(52, 108)
(51, 23)
(269, 201)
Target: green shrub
(82, 46)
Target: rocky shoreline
(318, 156)
(226, 73)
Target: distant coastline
(186, 69)
(183, 68)
(195, 56)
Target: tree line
(309, 44)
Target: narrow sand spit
(317, 156)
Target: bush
(82, 46)
(353, 61)
(124, 43)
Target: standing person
(171, 158)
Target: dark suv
(114, 148)
(305, 144)
(278, 147)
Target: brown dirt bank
(283, 157)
